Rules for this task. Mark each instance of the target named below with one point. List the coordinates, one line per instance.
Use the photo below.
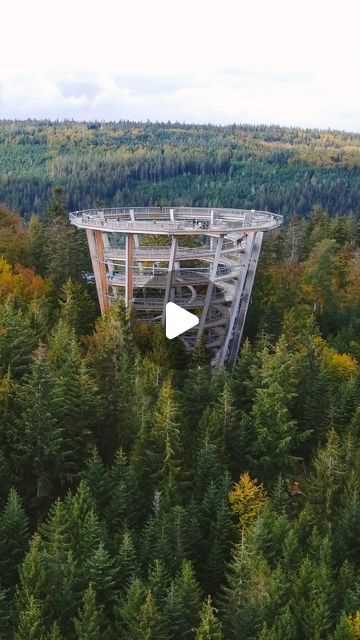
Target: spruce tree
(167, 448)
(54, 633)
(126, 561)
(97, 478)
(33, 583)
(38, 438)
(77, 308)
(326, 483)
(17, 340)
(128, 611)
(89, 621)
(30, 625)
(189, 594)
(102, 575)
(14, 536)
(77, 410)
(210, 628)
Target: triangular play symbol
(178, 320)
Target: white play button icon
(178, 320)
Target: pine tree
(102, 575)
(88, 623)
(273, 450)
(196, 397)
(126, 561)
(150, 624)
(17, 340)
(81, 508)
(38, 439)
(77, 308)
(189, 595)
(173, 614)
(242, 615)
(123, 503)
(167, 453)
(128, 610)
(225, 418)
(210, 628)
(218, 533)
(14, 535)
(54, 633)
(158, 581)
(33, 584)
(326, 481)
(37, 248)
(97, 478)
(63, 576)
(77, 410)
(30, 626)
(343, 630)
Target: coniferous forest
(143, 496)
(287, 170)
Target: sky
(281, 62)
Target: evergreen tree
(326, 481)
(76, 308)
(97, 478)
(209, 628)
(242, 615)
(167, 449)
(14, 534)
(126, 561)
(38, 439)
(33, 584)
(30, 625)
(77, 410)
(102, 575)
(128, 611)
(189, 595)
(17, 340)
(54, 633)
(88, 623)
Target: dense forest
(142, 496)
(130, 163)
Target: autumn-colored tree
(247, 498)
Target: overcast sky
(284, 62)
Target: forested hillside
(130, 163)
(141, 496)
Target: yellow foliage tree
(340, 365)
(22, 282)
(354, 624)
(247, 498)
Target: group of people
(198, 224)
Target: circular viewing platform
(202, 259)
(175, 220)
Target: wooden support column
(96, 247)
(239, 290)
(136, 237)
(169, 276)
(210, 288)
(129, 289)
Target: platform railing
(170, 219)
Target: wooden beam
(94, 248)
(169, 276)
(129, 288)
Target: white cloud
(280, 62)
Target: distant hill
(288, 170)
